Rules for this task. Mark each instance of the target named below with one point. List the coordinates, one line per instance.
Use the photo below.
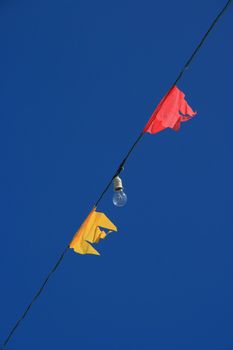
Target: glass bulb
(119, 198)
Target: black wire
(187, 64)
(34, 298)
(119, 169)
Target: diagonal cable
(118, 171)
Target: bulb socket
(117, 183)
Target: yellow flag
(90, 232)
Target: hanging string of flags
(172, 110)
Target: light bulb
(119, 198)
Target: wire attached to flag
(118, 171)
(185, 67)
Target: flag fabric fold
(90, 232)
(170, 112)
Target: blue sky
(79, 80)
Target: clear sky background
(78, 81)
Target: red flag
(170, 112)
